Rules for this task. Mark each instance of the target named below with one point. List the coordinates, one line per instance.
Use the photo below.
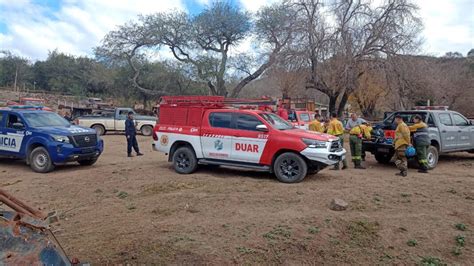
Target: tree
(453, 55)
(337, 38)
(203, 41)
(470, 53)
(14, 70)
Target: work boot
(139, 154)
(129, 155)
(336, 167)
(357, 165)
(402, 173)
(363, 159)
(423, 170)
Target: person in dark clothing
(131, 134)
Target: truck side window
(459, 120)
(123, 114)
(223, 120)
(1, 119)
(247, 122)
(445, 119)
(431, 121)
(12, 120)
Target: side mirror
(262, 128)
(18, 126)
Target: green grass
(432, 261)
(412, 242)
(457, 251)
(461, 227)
(460, 240)
(278, 233)
(245, 250)
(313, 230)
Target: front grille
(84, 140)
(335, 146)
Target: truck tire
(290, 168)
(383, 158)
(432, 156)
(40, 161)
(146, 130)
(100, 129)
(87, 162)
(184, 160)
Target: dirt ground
(138, 210)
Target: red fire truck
(195, 130)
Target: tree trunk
(332, 103)
(342, 104)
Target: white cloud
(204, 2)
(75, 28)
(254, 5)
(448, 25)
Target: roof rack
(435, 107)
(193, 101)
(211, 101)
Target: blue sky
(32, 28)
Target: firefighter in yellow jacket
(316, 125)
(401, 143)
(335, 128)
(358, 133)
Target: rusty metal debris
(25, 238)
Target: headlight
(63, 139)
(312, 143)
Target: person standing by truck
(335, 128)
(357, 133)
(401, 143)
(369, 129)
(421, 141)
(316, 125)
(354, 121)
(131, 133)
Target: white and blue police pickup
(45, 139)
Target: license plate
(383, 150)
(88, 150)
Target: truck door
(448, 132)
(464, 131)
(120, 117)
(247, 142)
(12, 134)
(216, 138)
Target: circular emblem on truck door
(218, 145)
(164, 140)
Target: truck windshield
(45, 120)
(276, 121)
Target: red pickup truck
(195, 130)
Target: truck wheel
(146, 130)
(184, 160)
(383, 158)
(40, 161)
(290, 168)
(432, 157)
(99, 129)
(87, 162)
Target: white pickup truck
(115, 121)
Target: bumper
(375, 147)
(323, 156)
(63, 152)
